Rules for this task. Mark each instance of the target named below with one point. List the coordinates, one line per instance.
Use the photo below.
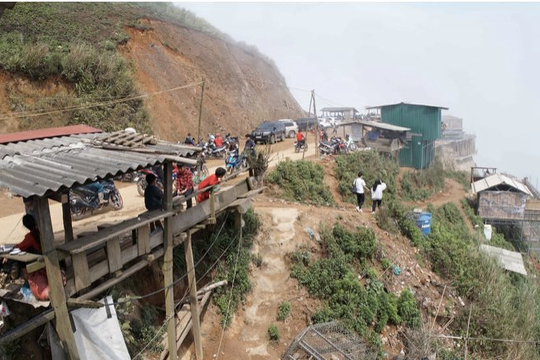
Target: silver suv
(290, 127)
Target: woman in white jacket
(376, 194)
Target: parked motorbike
(235, 162)
(334, 146)
(210, 150)
(350, 145)
(300, 146)
(85, 199)
(142, 184)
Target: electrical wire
(230, 297)
(105, 103)
(141, 297)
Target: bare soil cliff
(240, 89)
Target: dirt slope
(240, 91)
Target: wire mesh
(328, 341)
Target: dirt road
(12, 231)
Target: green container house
(425, 124)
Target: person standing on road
(376, 194)
(153, 198)
(359, 186)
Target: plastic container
(423, 222)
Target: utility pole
(316, 123)
(307, 129)
(200, 112)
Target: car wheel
(291, 133)
(272, 139)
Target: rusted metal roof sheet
(496, 180)
(45, 166)
(509, 260)
(47, 133)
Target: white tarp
(97, 336)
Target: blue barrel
(423, 222)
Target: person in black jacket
(153, 198)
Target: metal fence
(328, 341)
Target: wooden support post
(200, 115)
(238, 224)
(168, 261)
(212, 206)
(54, 276)
(66, 217)
(316, 123)
(194, 304)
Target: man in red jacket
(210, 181)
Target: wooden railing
(131, 239)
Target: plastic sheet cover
(98, 334)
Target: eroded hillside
(85, 59)
(240, 90)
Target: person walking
(376, 194)
(358, 188)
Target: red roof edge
(47, 133)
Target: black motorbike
(85, 199)
(300, 146)
(334, 146)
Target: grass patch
(273, 332)
(301, 181)
(421, 184)
(373, 164)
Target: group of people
(377, 189)
(153, 195)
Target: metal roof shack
(499, 182)
(46, 166)
(423, 120)
(340, 112)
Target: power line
(105, 103)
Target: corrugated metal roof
(509, 260)
(47, 133)
(496, 180)
(45, 166)
(376, 124)
(338, 109)
(406, 103)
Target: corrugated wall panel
(425, 120)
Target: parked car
(304, 124)
(269, 131)
(290, 127)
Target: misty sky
(480, 60)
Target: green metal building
(425, 124)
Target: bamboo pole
(168, 262)
(54, 276)
(194, 304)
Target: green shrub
(284, 310)
(301, 181)
(385, 264)
(273, 332)
(421, 184)
(373, 164)
(408, 309)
